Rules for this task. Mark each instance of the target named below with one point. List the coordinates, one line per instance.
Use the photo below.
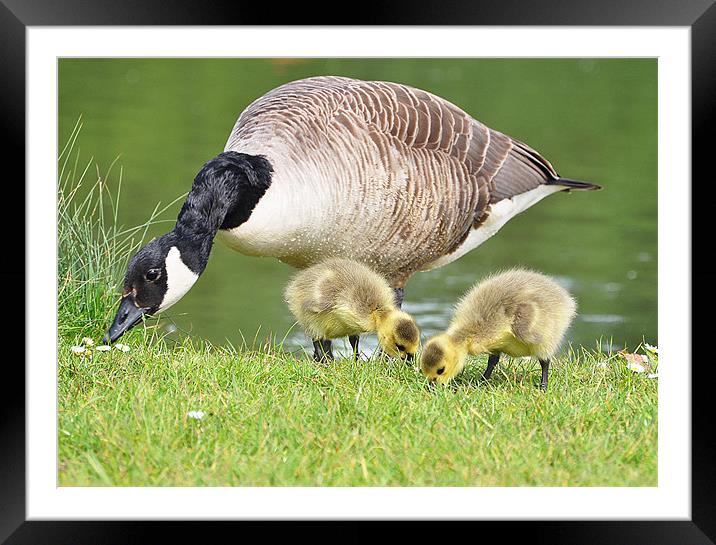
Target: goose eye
(400, 347)
(441, 370)
(152, 274)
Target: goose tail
(574, 184)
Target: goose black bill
(128, 315)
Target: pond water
(594, 119)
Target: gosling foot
(354, 339)
(322, 351)
(545, 373)
(491, 362)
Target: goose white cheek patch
(180, 278)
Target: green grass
(273, 418)
(92, 249)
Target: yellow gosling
(341, 297)
(517, 312)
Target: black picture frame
(16, 15)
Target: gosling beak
(128, 314)
(409, 358)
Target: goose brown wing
(485, 165)
(488, 166)
(427, 170)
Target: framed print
(361, 149)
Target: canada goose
(518, 312)
(343, 298)
(383, 173)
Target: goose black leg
(353, 339)
(491, 362)
(545, 372)
(399, 293)
(322, 350)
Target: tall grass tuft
(92, 248)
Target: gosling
(517, 312)
(341, 297)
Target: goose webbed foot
(491, 362)
(322, 351)
(545, 373)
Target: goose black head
(157, 277)
(223, 196)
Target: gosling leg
(399, 294)
(322, 350)
(545, 372)
(491, 362)
(353, 339)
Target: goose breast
(387, 174)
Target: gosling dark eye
(441, 371)
(152, 275)
(400, 347)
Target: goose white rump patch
(500, 213)
(180, 278)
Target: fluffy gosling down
(518, 313)
(344, 298)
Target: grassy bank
(272, 418)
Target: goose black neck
(223, 196)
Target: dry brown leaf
(635, 362)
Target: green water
(594, 119)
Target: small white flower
(122, 347)
(602, 364)
(652, 349)
(636, 367)
(197, 415)
(653, 375)
(103, 348)
(78, 350)
(88, 341)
